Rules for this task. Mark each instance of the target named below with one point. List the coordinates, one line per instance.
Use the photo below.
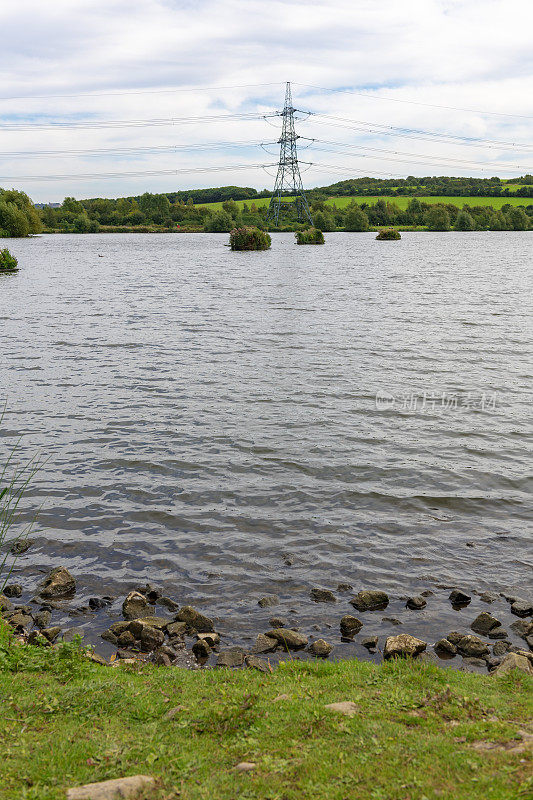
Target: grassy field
(418, 732)
(401, 202)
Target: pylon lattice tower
(288, 179)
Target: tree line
(156, 211)
(19, 217)
(431, 186)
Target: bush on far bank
(18, 215)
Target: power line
(90, 176)
(125, 150)
(427, 159)
(342, 170)
(414, 102)
(131, 123)
(413, 133)
(134, 92)
(424, 155)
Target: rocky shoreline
(156, 628)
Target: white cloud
(472, 54)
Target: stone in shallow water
(287, 638)
(176, 628)
(445, 648)
(370, 600)
(416, 603)
(501, 648)
(42, 619)
(268, 600)
(95, 603)
(135, 606)
(21, 546)
(472, 661)
(13, 590)
(264, 644)
(522, 608)
(212, 639)
(154, 622)
(455, 637)
(119, 627)
(489, 597)
(484, 623)
(459, 598)
(151, 639)
(472, 646)
(321, 648)
(126, 639)
(403, 645)
(498, 633)
(322, 596)
(195, 620)
(167, 602)
(370, 642)
(151, 592)
(58, 583)
(350, 626)
(201, 649)
(522, 628)
(277, 622)
(51, 633)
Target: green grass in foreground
(401, 202)
(419, 732)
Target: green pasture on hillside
(402, 202)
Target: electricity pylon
(288, 179)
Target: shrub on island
(309, 236)
(8, 263)
(249, 239)
(388, 234)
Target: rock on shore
(58, 583)
(404, 646)
(289, 639)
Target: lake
(230, 425)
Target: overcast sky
(473, 55)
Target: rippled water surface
(211, 424)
